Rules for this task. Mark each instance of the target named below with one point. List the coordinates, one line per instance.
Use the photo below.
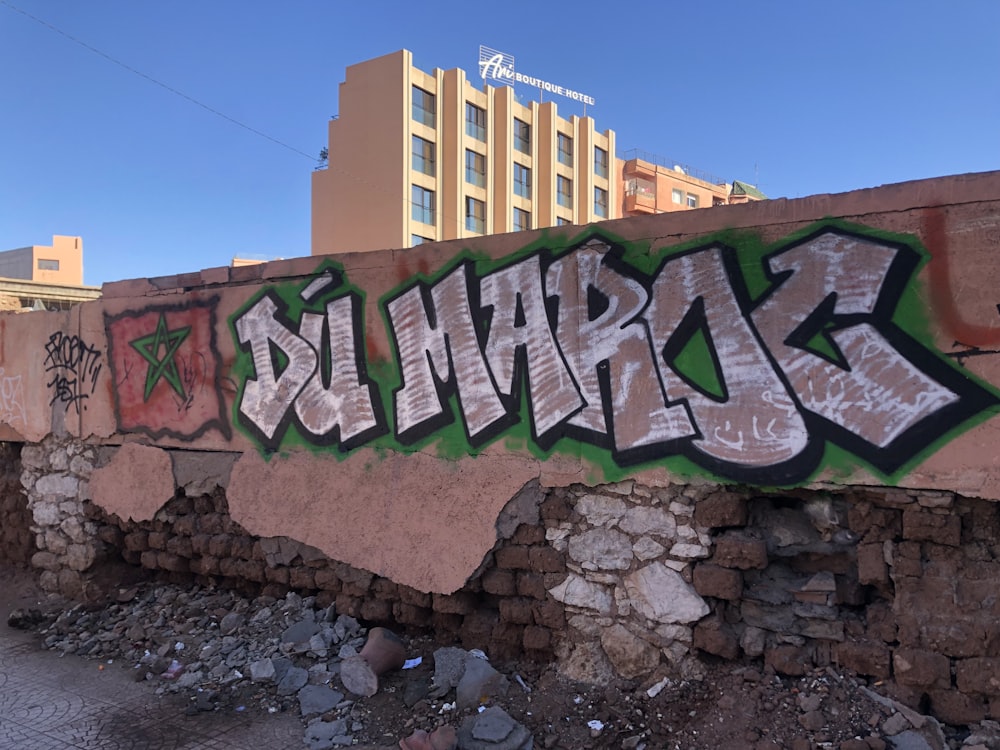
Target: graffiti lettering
(73, 367)
(648, 365)
(11, 399)
(315, 373)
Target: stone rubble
(227, 652)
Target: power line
(159, 83)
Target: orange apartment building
(416, 157)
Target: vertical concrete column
(55, 476)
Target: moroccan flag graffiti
(166, 369)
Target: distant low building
(42, 277)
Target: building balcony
(639, 168)
(641, 203)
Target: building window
(423, 155)
(562, 221)
(692, 200)
(423, 204)
(565, 144)
(600, 162)
(522, 136)
(423, 106)
(522, 220)
(475, 122)
(677, 196)
(475, 168)
(48, 265)
(564, 191)
(601, 202)
(522, 180)
(475, 215)
(416, 239)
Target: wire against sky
(149, 78)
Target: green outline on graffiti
(910, 315)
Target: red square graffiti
(167, 370)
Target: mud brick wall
(17, 542)
(504, 609)
(616, 580)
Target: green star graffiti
(161, 367)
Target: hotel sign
(499, 66)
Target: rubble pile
(226, 652)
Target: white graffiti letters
(519, 326)
(11, 398)
(753, 421)
(437, 343)
(604, 339)
(678, 361)
(341, 409)
(872, 391)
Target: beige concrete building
(415, 157)
(44, 277)
(62, 263)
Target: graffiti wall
(646, 357)
(765, 344)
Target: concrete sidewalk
(52, 702)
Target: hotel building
(416, 157)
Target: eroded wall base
(616, 580)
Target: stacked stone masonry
(615, 580)
(17, 543)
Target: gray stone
(587, 662)
(300, 632)
(578, 592)
(46, 513)
(630, 655)
(262, 670)
(753, 641)
(910, 740)
(896, 724)
(479, 730)
(57, 485)
(688, 551)
(479, 680)
(318, 699)
(600, 510)
(604, 549)
(645, 520)
(522, 508)
(449, 665)
(292, 681)
(80, 557)
(323, 735)
(647, 548)
(231, 623)
(661, 594)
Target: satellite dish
(679, 168)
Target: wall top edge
(973, 187)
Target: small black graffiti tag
(73, 366)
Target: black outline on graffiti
(972, 398)
(221, 423)
(74, 364)
(290, 417)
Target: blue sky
(803, 97)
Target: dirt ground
(737, 705)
